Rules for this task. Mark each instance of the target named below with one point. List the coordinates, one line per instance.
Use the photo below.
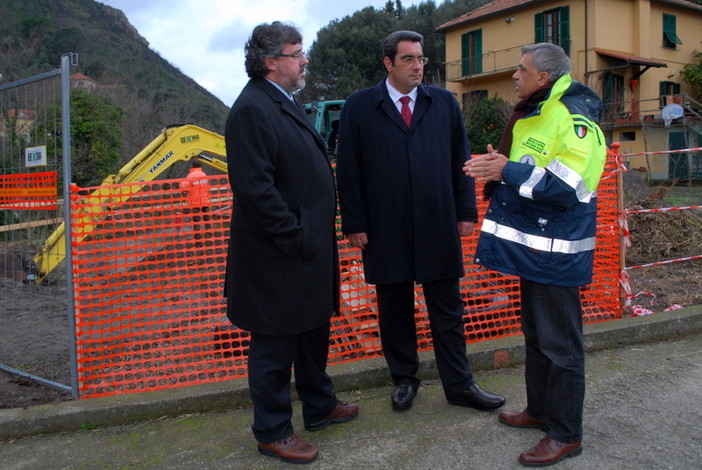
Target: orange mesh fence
(149, 272)
(602, 298)
(36, 191)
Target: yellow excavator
(174, 144)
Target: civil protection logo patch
(580, 131)
(528, 159)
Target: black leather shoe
(403, 396)
(476, 397)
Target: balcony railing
(648, 112)
(490, 62)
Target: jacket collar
(381, 99)
(577, 98)
(291, 107)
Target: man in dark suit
(282, 279)
(406, 202)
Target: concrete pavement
(642, 411)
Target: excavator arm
(174, 144)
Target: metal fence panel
(33, 120)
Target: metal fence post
(66, 62)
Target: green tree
(347, 56)
(692, 73)
(485, 119)
(395, 8)
(96, 138)
(424, 18)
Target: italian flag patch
(580, 131)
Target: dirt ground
(662, 236)
(33, 327)
(34, 340)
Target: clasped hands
(486, 167)
(360, 240)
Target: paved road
(642, 411)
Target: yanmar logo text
(159, 163)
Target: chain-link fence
(34, 117)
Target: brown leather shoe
(290, 449)
(343, 412)
(521, 419)
(548, 452)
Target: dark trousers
(398, 333)
(555, 359)
(271, 359)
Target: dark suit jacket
(282, 265)
(405, 186)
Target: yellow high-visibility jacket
(541, 221)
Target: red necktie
(405, 112)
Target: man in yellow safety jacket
(540, 226)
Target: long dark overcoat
(405, 186)
(282, 267)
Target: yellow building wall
(648, 27)
(629, 26)
(505, 39)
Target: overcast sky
(205, 38)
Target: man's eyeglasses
(409, 59)
(298, 55)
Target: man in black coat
(282, 279)
(406, 202)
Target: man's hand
(486, 167)
(465, 228)
(358, 240)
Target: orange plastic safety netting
(148, 280)
(36, 191)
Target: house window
(669, 88)
(669, 93)
(627, 136)
(670, 36)
(472, 52)
(553, 26)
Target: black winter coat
(282, 267)
(403, 186)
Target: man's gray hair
(548, 57)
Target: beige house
(78, 80)
(630, 52)
(22, 120)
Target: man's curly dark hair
(268, 40)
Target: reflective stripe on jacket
(197, 185)
(540, 224)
